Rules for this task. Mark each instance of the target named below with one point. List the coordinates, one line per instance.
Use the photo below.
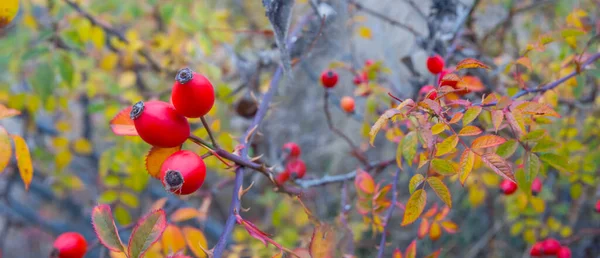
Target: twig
(473, 251)
(345, 207)
(210, 134)
(355, 150)
(343, 177)
(417, 9)
(390, 211)
(385, 18)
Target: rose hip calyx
(136, 110)
(184, 75)
(173, 179)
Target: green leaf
(467, 160)
(122, 215)
(443, 167)
(532, 166)
(559, 162)
(409, 147)
(146, 232)
(576, 190)
(545, 145)
(414, 182)
(447, 145)
(42, 81)
(108, 197)
(522, 181)
(441, 190)
(106, 230)
(66, 68)
(414, 207)
(534, 135)
(507, 149)
(471, 114)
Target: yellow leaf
(109, 61)
(82, 146)
(184, 214)
(155, 158)
(534, 108)
(23, 160)
(127, 79)
(538, 204)
(322, 244)
(414, 207)
(114, 254)
(172, 240)
(411, 250)
(438, 128)
(471, 63)
(477, 195)
(443, 167)
(8, 11)
(97, 37)
(62, 159)
(471, 114)
(5, 149)
(447, 146)
(365, 32)
(435, 231)
(84, 27)
(196, 241)
(441, 190)
(383, 119)
(470, 130)
(415, 181)
(467, 160)
(450, 226)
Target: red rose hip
(193, 95)
(435, 64)
(536, 250)
(550, 246)
(296, 168)
(536, 186)
(69, 245)
(508, 187)
(159, 125)
(282, 177)
(292, 149)
(183, 172)
(329, 78)
(598, 206)
(564, 252)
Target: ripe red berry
(329, 78)
(158, 124)
(536, 249)
(550, 246)
(435, 64)
(69, 245)
(282, 177)
(193, 95)
(347, 104)
(598, 206)
(564, 252)
(296, 168)
(292, 149)
(360, 79)
(536, 186)
(369, 62)
(508, 187)
(183, 172)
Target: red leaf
(423, 228)
(471, 63)
(255, 232)
(411, 250)
(397, 253)
(122, 124)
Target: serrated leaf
(507, 149)
(534, 135)
(5, 149)
(447, 145)
(498, 165)
(470, 130)
(172, 240)
(414, 182)
(322, 243)
(540, 109)
(455, 118)
(545, 145)
(497, 117)
(443, 167)
(381, 121)
(122, 124)
(487, 141)
(468, 63)
(196, 241)
(532, 166)
(105, 228)
(148, 230)
(414, 207)
(467, 160)
(471, 114)
(411, 250)
(441, 190)
(409, 147)
(155, 158)
(516, 120)
(557, 161)
(23, 160)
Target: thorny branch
(385, 18)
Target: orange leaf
(172, 240)
(122, 124)
(525, 61)
(470, 130)
(487, 141)
(432, 211)
(414, 207)
(184, 214)
(322, 243)
(534, 108)
(442, 214)
(498, 165)
(471, 63)
(23, 160)
(397, 253)
(450, 227)
(497, 117)
(364, 182)
(5, 149)
(467, 160)
(435, 254)
(196, 241)
(411, 250)
(456, 117)
(6, 112)
(435, 231)
(423, 228)
(155, 158)
(471, 83)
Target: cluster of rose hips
(550, 246)
(508, 187)
(165, 125)
(294, 165)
